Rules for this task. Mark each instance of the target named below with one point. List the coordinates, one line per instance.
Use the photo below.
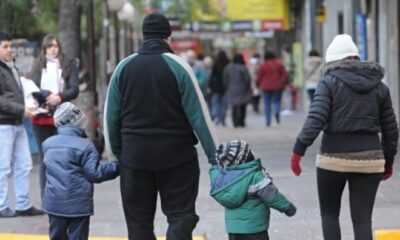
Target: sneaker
(32, 211)
(7, 213)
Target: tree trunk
(69, 27)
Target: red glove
(388, 172)
(295, 164)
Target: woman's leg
(330, 189)
(242, 109)
(267, 107)
(41, 134)
(277, 97)
(363, 188)
(235, 115)
(311, 92)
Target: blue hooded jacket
(73, 165)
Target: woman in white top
(312, 72)
(57, 77)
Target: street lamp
(127, 15)
(115, 5)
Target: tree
(16, 17)
(69, 27)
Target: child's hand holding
(291, 211)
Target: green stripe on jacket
(193, 104)
(112, 111)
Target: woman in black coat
(351, 106)
(57, 77)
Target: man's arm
(193, 104)
(112, 112)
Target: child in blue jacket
(72, 166)
(245, 189)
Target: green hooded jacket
(247, 193)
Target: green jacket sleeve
(112, 112)
(193, 104)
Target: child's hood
(229, 186)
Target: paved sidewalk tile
(387, 234)
(7, 236)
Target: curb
(387, 234)
(12, 236)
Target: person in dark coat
(217, 90)
(154, 116)
(57, 76)
(237, 83)
(15, 156)
(72, 166)
(351, 106)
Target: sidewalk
(273, 145)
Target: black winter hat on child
(233, 153)
(156, 25)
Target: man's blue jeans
(15, 156)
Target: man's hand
(30, 112)
(53, 99)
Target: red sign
(272, 25)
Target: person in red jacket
(271, 77)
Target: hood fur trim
(353, 65)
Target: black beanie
(156, 25)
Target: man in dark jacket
(153, 108)
(14, 146)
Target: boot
(277, 118)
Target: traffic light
(321, 15)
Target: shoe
(7, 213)
(32, 211)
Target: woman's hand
(53, 99)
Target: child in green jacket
(245, 189)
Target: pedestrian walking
(217, 90)
(72, 166)
(15, 156)
(57, 77)
(271, 78)
(241, 184)
(237, 83)
(312, 72)
(154, 115)
(254, 65)
(352, 106)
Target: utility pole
(91, 52)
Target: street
(273, 145)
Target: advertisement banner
(273, 13)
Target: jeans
(42, 132)
(65, 228)
(218, 108)
(311, 92)
(15, 156)
(178, 188)
(362, 188)
(272, 98)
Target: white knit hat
(342, 46)
(67, 114)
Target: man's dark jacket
(12, 104)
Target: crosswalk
(11, 236)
